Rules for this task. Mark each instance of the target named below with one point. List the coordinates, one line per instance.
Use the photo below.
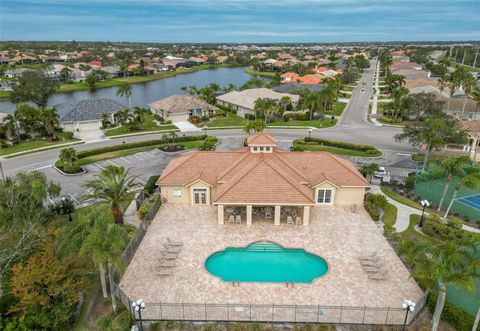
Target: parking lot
(142, 165)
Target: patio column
(249, 214)
(277, 215)
(221, 214)
(473, 149)
(306, 215)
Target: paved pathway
(186, 126)
(404, 212)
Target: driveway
(186, 126)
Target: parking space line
(138, 157)
(116, 165)
(141, 181)
(152, 155)
(126, 160)
(98, 165)
(73, 198)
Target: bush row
(375, 204)
(455, 316)
(434, 226)
(114, 148)
(341, 144)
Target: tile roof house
(262, 174)
(244, 101)
(180, 107)
(310, 79)
(86, 114)
(289, 77)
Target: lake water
(143, 94)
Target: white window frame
(200, 190)
(177, 192)
(324, 190)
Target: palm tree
(68, 156)
(65, 74)
(50, 120)
(173, 135)
(453, 166)
(92, 79)
(468, 85)
(123, 116)
(112, 186)
(139, 114)
(442, 83)
(254, 126)
(470, 178)
(11, 125)
(445, 263)
(260, 106)
(99, 239)
(312, 101)
(125, 89)
(367, 170)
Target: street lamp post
(424, 204)
(409, 307)
(205, 130)
(309, 133)
(137, 307)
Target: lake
(145, 93)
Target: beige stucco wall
(186, 198)
(343, 196)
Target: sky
(240, 21)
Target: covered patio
(264, 213)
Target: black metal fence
(273, 313)
(129, 252)
(209, 312)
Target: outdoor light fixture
(137, 307)
(409, 307)
(424, 204)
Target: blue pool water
(266, 262)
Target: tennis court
(471, 201)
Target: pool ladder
(289, 284)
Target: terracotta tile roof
(278, 177)
(310, 79)
(261, 138)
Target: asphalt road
(352, 127)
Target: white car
(380, 173)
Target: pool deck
(334, 233)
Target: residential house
(221, 59)
(289, 77)
(263, 175)
(310, 79)
(87, 115)
(181, 107)
(244, 101)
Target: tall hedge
(120, 147)
(341, 144)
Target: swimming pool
(266, 262)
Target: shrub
(167, 122)
(107, 149)
(71, 169)
(194, 119)
(297, 148)
(434, 226)
(455, 316)
(25, 136)
(250, 117)
(3, 144)
(67, 135)
(150, 185)
(341, 144)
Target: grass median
(335, 147)
(105, 153)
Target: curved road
(352, 127)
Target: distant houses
(244, 101)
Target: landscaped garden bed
(170, 149)
(25, 145)
(336, 147)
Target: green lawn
(411, 235)
(26, 146)
(338, 108)
(269, 74)
(148, 125)
(230, 120)
(124, 152)
(390, 214)
(392, 195)
(319, 124)
(312, 147)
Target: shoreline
(69, 88)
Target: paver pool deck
(336, 234)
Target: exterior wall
(348, 196)
(167, 192)
(342, 196)
(177, 117)
(82, 126)
(202, 186)
(241, 111)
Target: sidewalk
(404, 212)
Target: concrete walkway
(404, 212)
(129, 215)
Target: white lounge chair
(238, 219)
(378, 276)
(298, 220)
(174, 243)
(289, 220)
(268, 215)
(371, 257)
(171, 249)
(231, 219)
(164, 273)
(166, 264)
(371, 264)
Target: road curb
(84, 171)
